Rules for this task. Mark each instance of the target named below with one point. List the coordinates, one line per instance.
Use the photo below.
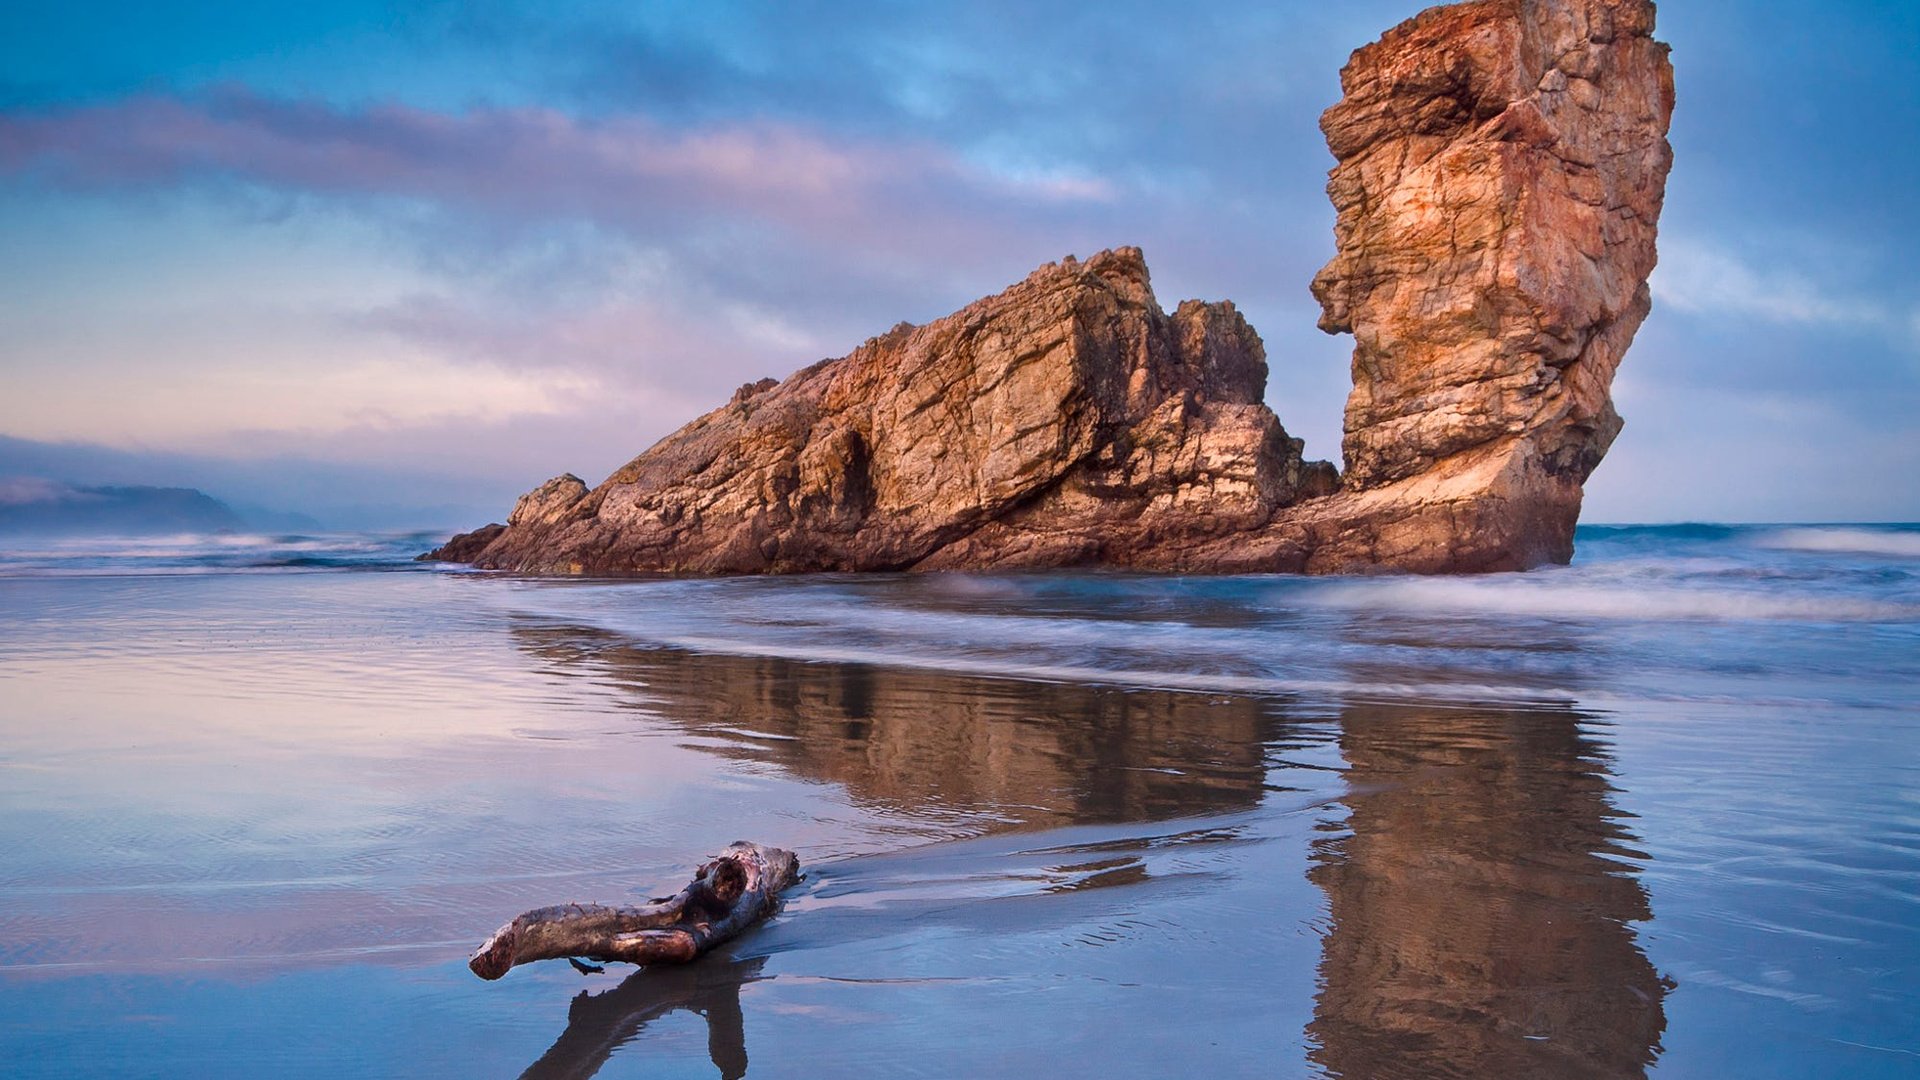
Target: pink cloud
(628, 170)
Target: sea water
(1654, 813)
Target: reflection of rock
(1478, 911)
(599, 1024)
(1501, 168)
(1039, 753)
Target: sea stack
(1500, 171)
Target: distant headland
(32, 506)
(1501, 166)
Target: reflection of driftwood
(599, 1024)
(725, 897)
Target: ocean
(1655, 813)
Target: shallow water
(1656, 813)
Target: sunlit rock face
(1501, 166)
(1066, 420)
(1501, 170)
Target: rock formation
(1501, 170)
(1501, 166)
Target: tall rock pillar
(1501, 168)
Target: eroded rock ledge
(1501, 166)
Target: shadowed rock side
(1501, 168)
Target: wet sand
(255, 822)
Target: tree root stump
(727, 895)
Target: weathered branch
(725, 897)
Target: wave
(1688, 612)
(1638, 629)
(1483, 664)
(1556, 596)
(1689, 530)
(205, 553)
(1896, 542)
(958, 662)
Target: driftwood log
(725, 896)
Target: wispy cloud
(201, 405)
(630, 341)
(575, 264)
(627, 170)
(27, 490)
(1703, 279)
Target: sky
(395, 264)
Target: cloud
(625, 313)
(28, 490)
(1702, 279)
(1754, 454)
(573, 265)
(195, 405)
(627, 170)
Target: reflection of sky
(232, 768)
(492, 243)
(254, 821)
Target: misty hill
(32, 506)
(383, 497)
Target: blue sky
(395, 264)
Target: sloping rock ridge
(1500, 171)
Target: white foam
(1006, 667)
(177, 553)
(1902, 544)
(1621, 599)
